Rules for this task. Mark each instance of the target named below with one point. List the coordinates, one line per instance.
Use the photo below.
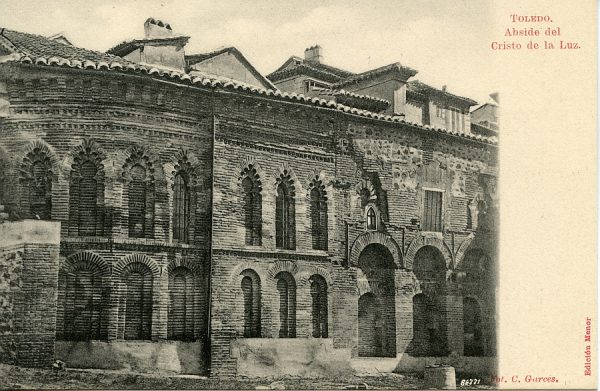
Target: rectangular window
(432, 220)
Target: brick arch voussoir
(307, 272)
(366, 183)
(184, 262)
(295, 181)
(136, 154)
(123, 263)
(282, 266)
(420, 242)
(186, 161)
(464, 247)
(236, 273)
(243, 172)
(96, 154)
(375, 237)
(44, 148)
(85, 260)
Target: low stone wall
(139, 356)
(279, 357)
(28, 290)
(464, 364)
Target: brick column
(404, 310)
(454, 323)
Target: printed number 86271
(470, 382)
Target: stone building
(213, 219)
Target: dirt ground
(13, 377)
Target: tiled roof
(356, 100)
(39, 51)
(422, 88)
(124, 48)
(299, 66)
(395, 68)
(35, 46)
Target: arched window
(140, 195)
(181, 207)
(36, 170)
(137, 305)
(252, 206)
(473, 336)
(86, 193)
(251, 296)
(40, 192)
(285, 218)
(137, 206)
(82, 304)
(371, 219)
(318, 215)
(318, 293)
(181, 312)
(286, 286)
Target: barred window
(87, 203)
(318, 216)
(285, 219)
(137, 202)
(286, 286)
(40, 192)
(181, 207)
(86, 193)
(252, 207)
(318, 293)
(181, 304)
(252, 296)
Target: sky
(446, 41)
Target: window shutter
(433, 211)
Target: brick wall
(214, 136)
(28, 290)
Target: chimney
(444, 88)
(157, 29)
(314, 54)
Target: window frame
(424, 208)
(369, 208)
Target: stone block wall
(28, 291)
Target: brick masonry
(118, 121)
(28, 291)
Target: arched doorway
(377, 307)
(429, 320)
